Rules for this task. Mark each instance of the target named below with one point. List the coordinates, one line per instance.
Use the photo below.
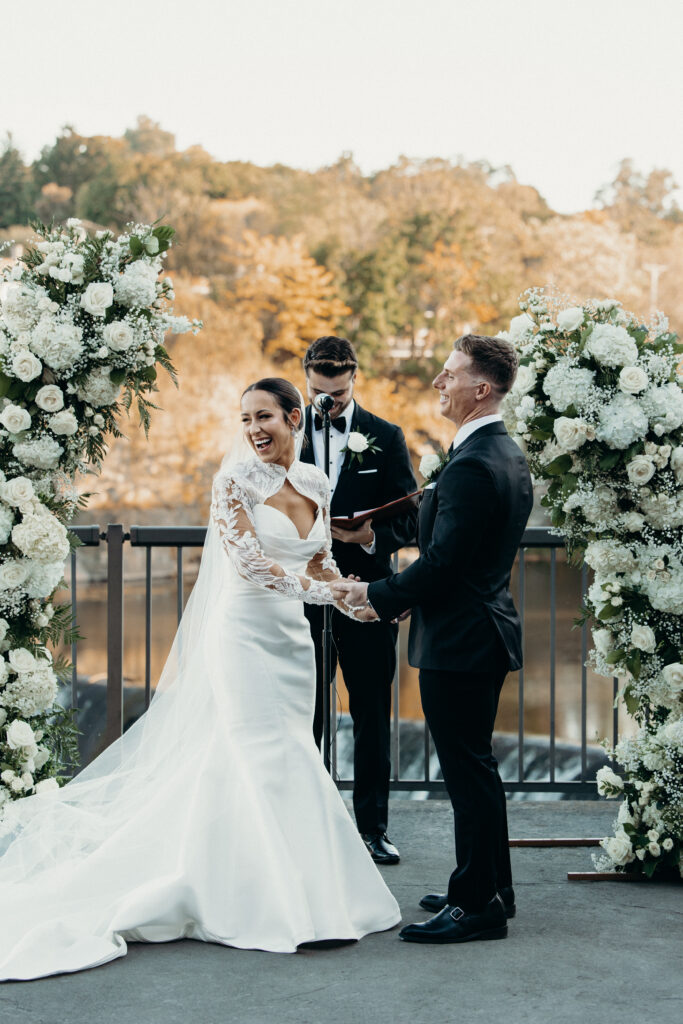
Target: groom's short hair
(330, 356)
(495, 359)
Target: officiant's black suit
(465, 635)
(366, 651)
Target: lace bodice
(235, 495)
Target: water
(92, 609)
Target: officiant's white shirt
(467, 429)
(338, 440)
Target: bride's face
(266, 429)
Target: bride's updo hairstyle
(284, 393)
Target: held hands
(354, 595)
(363, 534)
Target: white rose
(525, 380)
(118, 336)
(643, 638)
(26, 366)
(97, 298)
(619, 848)
(570, 432)
(47, 786)
(12, 574)
(668, 844)
(673, 675)
(19, 734)
(633, 380)
(605, 777)
(633, 522)
(521, 326)
(18, 491)
(357, 442)
(569, 319)
(654, 849)
(15, 418)
(4, 629)
(429, 463)
(27, 780)
(63, 422)
(7, 776)
(640, 469)
(677, 463)
(50, 398)
(16, 785)
(21, 660)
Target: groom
(367, 655)
(465, 634)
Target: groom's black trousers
(460, 709)
(366, 652)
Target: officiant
(369, 466)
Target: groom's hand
(363, 534)
(354, 594)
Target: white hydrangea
(31, 693)
(662, 510)
(612, 346)
(19, 308)
(41, 538)
(137, 286)
(97, 389)
(567, 385)
(42, 452)
(622, 421)
(664, 407)
(43, 579)
(59, 346)
(609, 556)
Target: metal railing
(181, 537)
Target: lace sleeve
(323, 566)
(231, 512)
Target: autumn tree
(290, 296)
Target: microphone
(323, 403)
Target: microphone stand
(327, 620)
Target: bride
(213, 817)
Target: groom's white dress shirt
(338, 440)
(467, 429)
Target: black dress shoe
(436, 901)
(381, 849)
(453, 924)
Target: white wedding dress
(213, 818)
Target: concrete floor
(577, 953)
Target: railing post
(114, 726)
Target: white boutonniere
(431, 465)
(358, 444)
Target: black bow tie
(338, 424)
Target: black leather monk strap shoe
(436, 901)
(381, 849)
(453, 924)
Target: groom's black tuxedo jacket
(469, 529)
(382, 477)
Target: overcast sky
(559, 89)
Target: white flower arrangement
(602, 426)
(82, 323)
